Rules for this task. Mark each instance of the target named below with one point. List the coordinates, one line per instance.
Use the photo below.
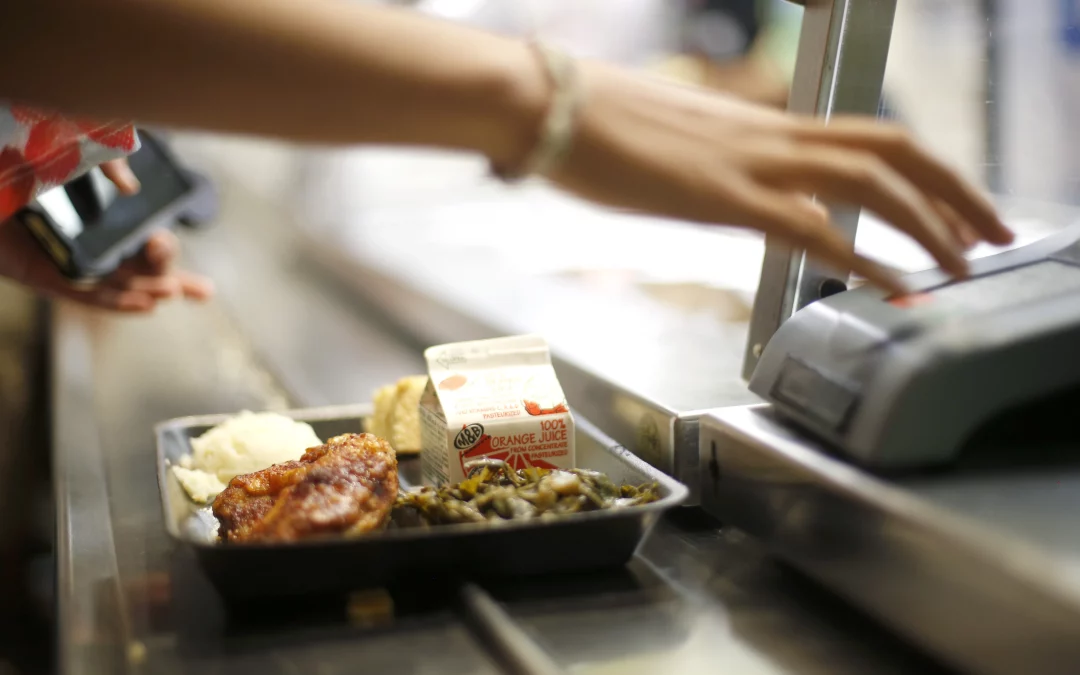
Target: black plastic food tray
(575, 542)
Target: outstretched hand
(699, 156)
(137, 286)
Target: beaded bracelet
(557, 132)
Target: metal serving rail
(697, 598)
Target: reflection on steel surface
(988, 601)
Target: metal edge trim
(67, 339)
(64, 569)
(302, 414)
(1014, 559)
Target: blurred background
(988, 85)
(992, 86)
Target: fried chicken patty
(345, 487)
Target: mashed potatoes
(242, 444)
(202, 487)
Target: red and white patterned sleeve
(40, 150)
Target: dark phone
(88, 230)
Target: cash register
(905, 381)
(865, 466)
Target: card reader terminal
(904, 382)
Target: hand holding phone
(137, 286)
(131, 269)
(88, 227)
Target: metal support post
(843, 48)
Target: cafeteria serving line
(698, 597)
(830, 519)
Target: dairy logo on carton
(469, 436)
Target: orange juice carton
(493, 400)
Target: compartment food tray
(575, 542)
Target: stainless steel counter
(697, 599)
(977, 561)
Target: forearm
(307, 70)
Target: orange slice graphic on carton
(542, 395)
(536, 410)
